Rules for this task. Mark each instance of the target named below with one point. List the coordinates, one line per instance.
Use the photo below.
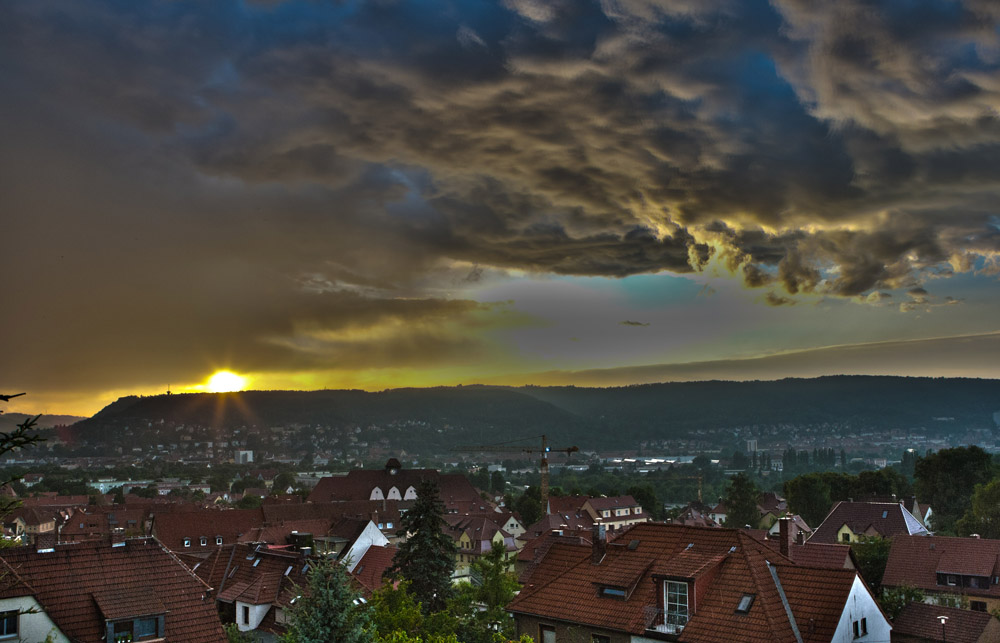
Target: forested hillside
(591, 418)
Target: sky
(373, 194)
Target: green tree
(872, 554)
(530, 507)
(894, 600)
(497, 482)
(741, 502)
(328, 609)
(394, 609)
(283, 481)
(234, 635)
(808, 496)
(947, 479)
(645, 495)
(983, 516)
(427, 556)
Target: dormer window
(136, 629)
(218, 540)
(675, 604)
(187, 542)
(203, 541)
(612, 592)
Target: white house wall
(33, 624)
(372, 535)
(257, 614)
(860, 604)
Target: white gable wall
(861, 605)
(33, 624)
(257, 614)
(372, 535)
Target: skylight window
(613, 592)
(745, 602)
(288, 571)
(256, 562)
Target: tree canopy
(328, 609)
(741, 502)
(427, 556)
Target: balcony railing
(663, 621)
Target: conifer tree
(427, 557)
(328, 609)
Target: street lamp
(943, 619)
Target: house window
(123, 631)
(598, 638)
(860, 628)
(187, 542)
(977, 606)
(8, 624)
(613, 592)
(846, 537)
(546, 634)
(676, 604)
(745, 602)
(246, 614)
(388, 525)
(203, 541)
(952, 580)
(145, 628)
(218, 540)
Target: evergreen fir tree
(741, 502)
(328, 609)
(427, 557)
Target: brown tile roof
(566, 581)
(887, 519)
(614, 502)
(920, 620)
(916, 561)
(74, 582)
(260, 576)
(457, 493)
(171, 528)
(370, 569)
(817, 597)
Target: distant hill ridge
(590, 415)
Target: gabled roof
(817, 597)
(564, 585)
(615, 502)
(76, 583)
(886, 519)
(920, 620)
(917, 561)
(370, 569)
(259, 576)
(171, 528)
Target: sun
(226, 382)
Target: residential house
(945, 565)
(393, 482)
(796, 526)
(849, 521)
(475, 536)
(28, 524)
(923, 623)
(616, 512)
(666, 582)
(258, 585)
(99, 593)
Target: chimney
(599, 546)
(783, 524)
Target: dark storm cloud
(350, 152)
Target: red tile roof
(886, 519)
(817, 597)
(920, 620)
(370, 569)
(171, 528)
(917, 560)
(565, 582)
(74, 583)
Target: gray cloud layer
(317, 165)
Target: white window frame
(673, 614)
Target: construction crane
(508, 447)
